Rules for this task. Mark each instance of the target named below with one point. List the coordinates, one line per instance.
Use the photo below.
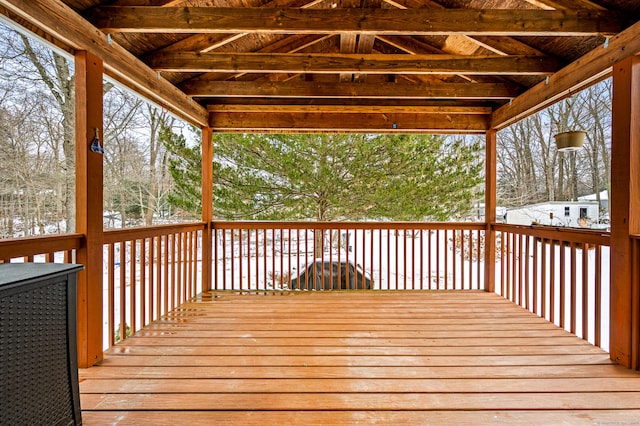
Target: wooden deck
(357, 358)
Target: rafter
(500, 45)
(369, 64)
(587, 70)
(209, 42)
(360, 21)
(363, 122)
(350, 109)
(310, 89)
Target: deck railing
(148, 272)
(559, 274)
(391, 255)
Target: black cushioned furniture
(38, 358)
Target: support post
(89, 167)
(625, 211)
(490, 212)
(207, 206)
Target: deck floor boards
(461, 357)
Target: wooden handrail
(351, 225)
(583, 236)
(117, 235)
(22, 247)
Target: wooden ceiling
(460, 66)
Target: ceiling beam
(351, 122)
(351, 63)
(310, 89)
(64, 24)
(148, 19)
(348, 109)
(209, 42)
(580, 74)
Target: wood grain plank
(192, 385)
(401, 361)
(352, 122)
(275, 325)
(344, 418)
(382, 91)
(363, 401)
(214, 372)
(294, 63)
(151, 19)
(169, 350)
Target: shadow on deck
(465, 357)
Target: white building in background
(604, 199)
(578, 214)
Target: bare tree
(530, 168)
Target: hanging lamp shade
(570, 141)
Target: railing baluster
(462, 249)
(288, 255)
(246, 274)
(186, 259)
(216, 259)
(517, 291)
(111, 288)
(536, 250)
(190, 264)
(232, 241)
(508, 265)
(123, 268)
(380, 259)
(158, 262)
(454, 257)
(264, 251)
(429, 254)
(165, 258)
(273, 258)
(503, 263)
(562, 284)
(472, 258)
(446, 259)
(437, 259)
(585, 291)
(143, 282)
(482, 235)
(281, 238)
(598, 296)
(151, 278)
(132, 286)
(404, 258)
(421, 257)
(573, 288)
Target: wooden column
(207, 205)
(625, 210)
(88, 83)
(490, 212)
